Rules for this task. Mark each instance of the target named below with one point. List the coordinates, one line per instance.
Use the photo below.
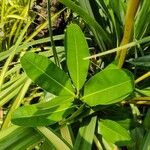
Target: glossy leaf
(114, 133)
(46, 74)
(76, 48)
(85, 136)
(107, 87)
(44, 113)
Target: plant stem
(120, 48)
(129, 22)
(141, 99)
(56, 59)
(146, 75)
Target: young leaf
(45, 113)
(85, 136)
(114, 133)
(46, 74)
(107, 87)
(76, 48)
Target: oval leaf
(76, 48)
(45, 113)
(114, 132)
(107, 87)
(46, 74)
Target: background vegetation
(74, 74)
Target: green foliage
(113, 132)
(106, 87)
(142, 62)
(78, 68)
(45, 113)
(85, 135)
(84, 103)
(46, 74)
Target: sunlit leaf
(44, 113)
(77, 49)
(46, 74)
(107, 87)
(85, 136)
(114, 132)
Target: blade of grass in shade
(89, 20)
(53, 138)
(142, 21)
(8, 61)
(17, 138)
(5, 94)
(87, 8)
(16, 103)
(145, 145)
(5, 54)
(85, 136)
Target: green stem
(56, 59)
(146, 75)
(129, 22)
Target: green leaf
(142, 20)
(85, 136)
(114, 133)
(46, 74)
(107, 87)
(17, 138)
(52, 137)
(76, 48)
(146, 122)
(120, 114)
(44, 113)
(91, 22)
(144, 92)
(143, 62)
(145, 145)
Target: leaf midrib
(50, 77)
(77, 65)
(105, 89)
